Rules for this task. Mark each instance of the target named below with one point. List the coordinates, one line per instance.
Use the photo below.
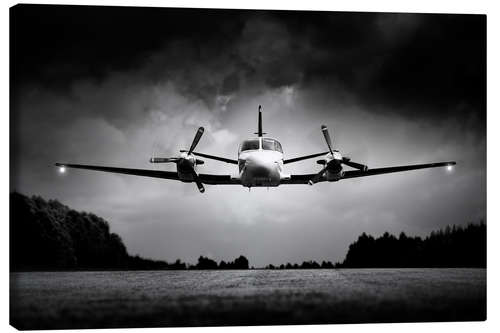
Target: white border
(422, 6)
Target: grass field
(50, 300)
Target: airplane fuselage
(261, 166)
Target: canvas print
(212, 167)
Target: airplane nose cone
(261, 168)
(260, 171)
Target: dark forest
(452, 247)
(47, 235)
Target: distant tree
(240, 263)
(205, 263)
(138, 263)
(326, 264)
(309, 265)
(178, 265)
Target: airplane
(260, 164)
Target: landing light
(449, 167)
(62, 169)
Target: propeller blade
(355, 165)
(196, 139)
(201, 188)
(324, 129)
(198, 181)
(163, 159)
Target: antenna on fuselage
(260, 133)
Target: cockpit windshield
(252, 144)
(271, 144)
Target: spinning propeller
(333, 161)
(186, 162)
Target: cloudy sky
(112, 86)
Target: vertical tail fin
(260, 133)
(260, 120)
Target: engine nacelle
(334, 176)
(333, 170)
(333, 165)
(185, 166)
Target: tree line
(203, 263)
(206, 263)
(47, 235)
(311, 264)
(453, 246)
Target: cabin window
(250, 145)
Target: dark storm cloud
(397, 60)
(103, 85)
(58, 44)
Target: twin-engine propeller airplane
(260, 163)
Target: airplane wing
(305, 178)
(205, 178)
(379, 171)
(217, 158)
(218, 179)
(296, 159)
(299, 179)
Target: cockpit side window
(278, 147)
(250, 145)
(271, 144)
(268, 144)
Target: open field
(49, 300)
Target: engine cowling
(333, 171)
(185, 166)
(334, 176)
(333, 164)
